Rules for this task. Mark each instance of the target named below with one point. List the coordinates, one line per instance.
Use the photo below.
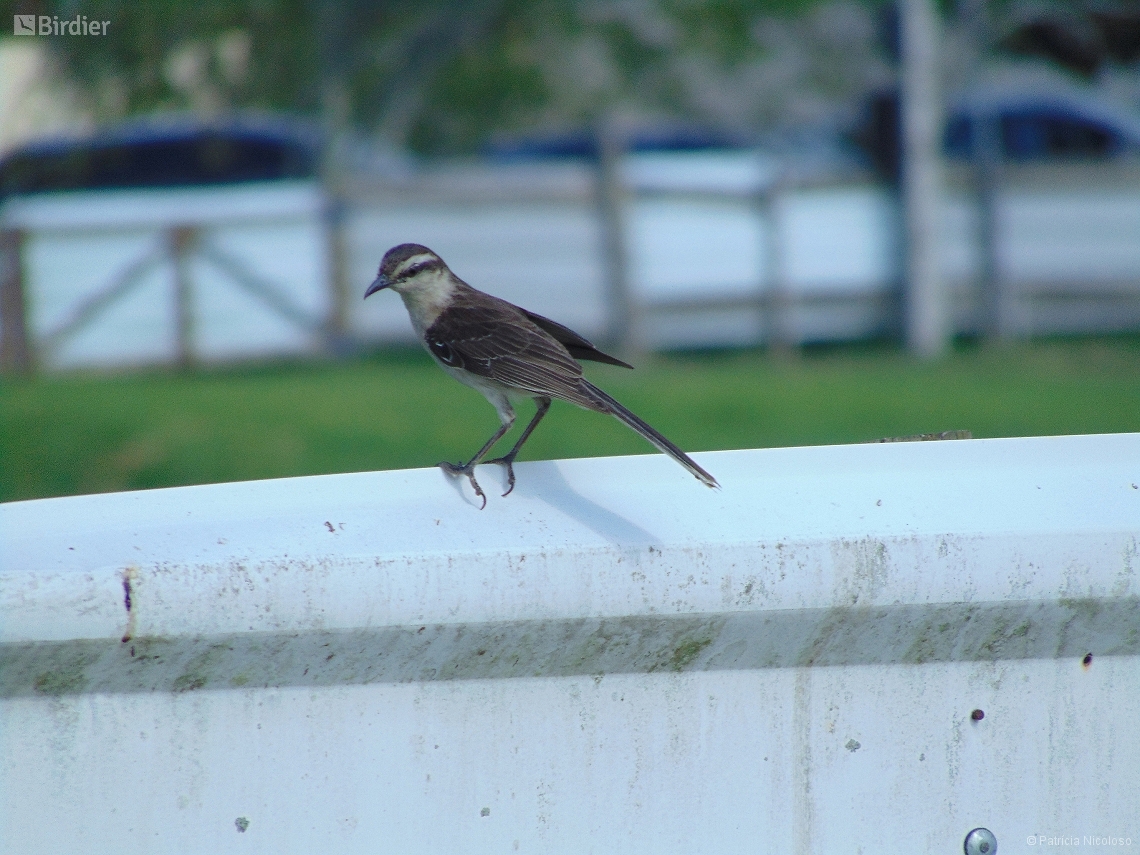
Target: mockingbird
(503, 351)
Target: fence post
(993, 297)
(15, 353)
(182, 241)
(780, 338)
(623, 327)
(336, 324)
(921, 124)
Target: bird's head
(412, 270)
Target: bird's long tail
(607, 404)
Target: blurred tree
(1082, 37)
(442, 75)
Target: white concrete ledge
(907, 533)
(935, 556)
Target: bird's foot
(507, 461)
(468, 469)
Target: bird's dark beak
(378, 284)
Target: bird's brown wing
(575, 345)
(493, 339)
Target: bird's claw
(457, 469)
(509, 463)
(469, 471)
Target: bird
(504, 352)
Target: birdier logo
(51, 25)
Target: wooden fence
(646, 256)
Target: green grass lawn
(83, 433)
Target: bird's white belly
(499, 394)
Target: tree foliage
(440, 75)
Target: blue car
(1037, 121)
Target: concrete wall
(612, 659)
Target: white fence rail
(722, 251)
(718, 250)
(862, 648)
(184, 275)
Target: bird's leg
(508, 459)
(468, 468)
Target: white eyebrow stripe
(414, 260)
